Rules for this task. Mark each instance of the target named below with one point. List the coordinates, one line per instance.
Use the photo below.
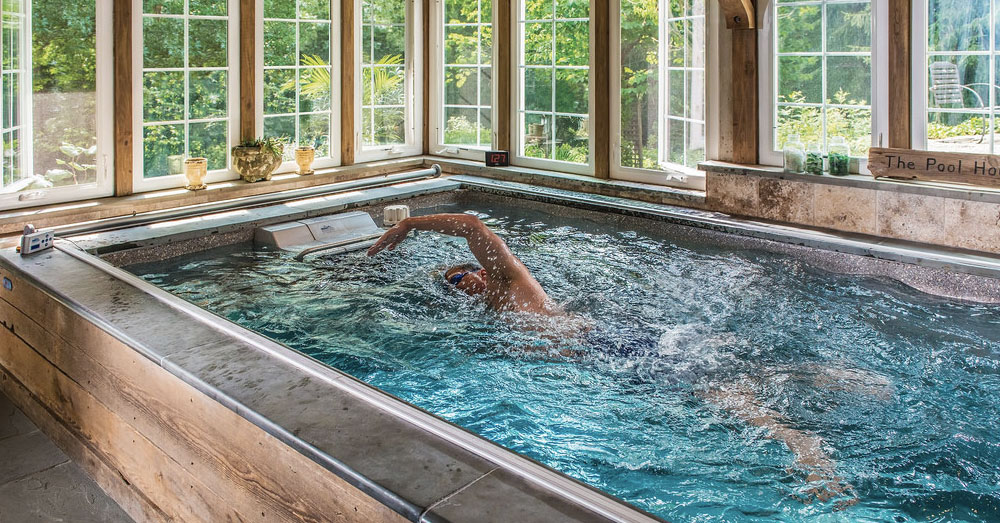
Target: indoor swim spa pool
(655, 383)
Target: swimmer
(501, 279)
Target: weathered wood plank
(139, 462)
(502, 73)
(900, 64)
(738, 14)
(601, 123)
(249, 468)
(425, 48)
(347, 132)
(129, 498)
(248, 72)
(122, 23)
(908, 164)
(744, 101)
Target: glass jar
(814, 159)
(840, 156)
(794, 155)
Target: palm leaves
(385, 82)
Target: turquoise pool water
(649, 400)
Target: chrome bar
(364, 241)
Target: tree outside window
(49, 101)
(297, 74)
(662, 84)
(383, 72)
(962, 51)
(823, 73)
(468, 75)
(185, 84)
(554, 80)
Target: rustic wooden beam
(899, 74)
(248, 70)
(502, 44)
(122, 23)
(739, 14)
(426, 77)
(744, 98)
(347, 82)
(601, 124)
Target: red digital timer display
(497, 158)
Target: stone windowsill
(576, 182)
(943, 190)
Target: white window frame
(103, 85)
(920, 77)
(768, 76)
(437, 94)
(139, 182)
(671, 174)
(334, 159)
(517, 130)
(413, 96)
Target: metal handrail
(332, 245)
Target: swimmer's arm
(488, 248)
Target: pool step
(344, 232)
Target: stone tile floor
(40, 483)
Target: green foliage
(63, 47)
(853, 124)
(271, 144)
(973, 126)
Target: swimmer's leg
(741, 402)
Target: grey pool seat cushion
(345, 231)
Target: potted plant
(255, 160)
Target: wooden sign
(908, 164)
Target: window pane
(163, 42)
(282, 128)
(849, 79)
(279, 91)
(163, 150)
(314, 9)
(850, 28)
(800, 29)
(461, 126)
(662, 84)
(208, 7)
(538, 89)
(57, 90)
(208, 94)
(958, 25)
(297, 75)
(208, 140)
(538, 139)
(383, 72)
(314, 130)
(188, 86)
(824, 87)
(163, 96)
(958, 132)
(961, 76)
(279, 43)
(554, 80)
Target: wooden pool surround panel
(179, 420)
(162, 449)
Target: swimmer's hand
(391, 238)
